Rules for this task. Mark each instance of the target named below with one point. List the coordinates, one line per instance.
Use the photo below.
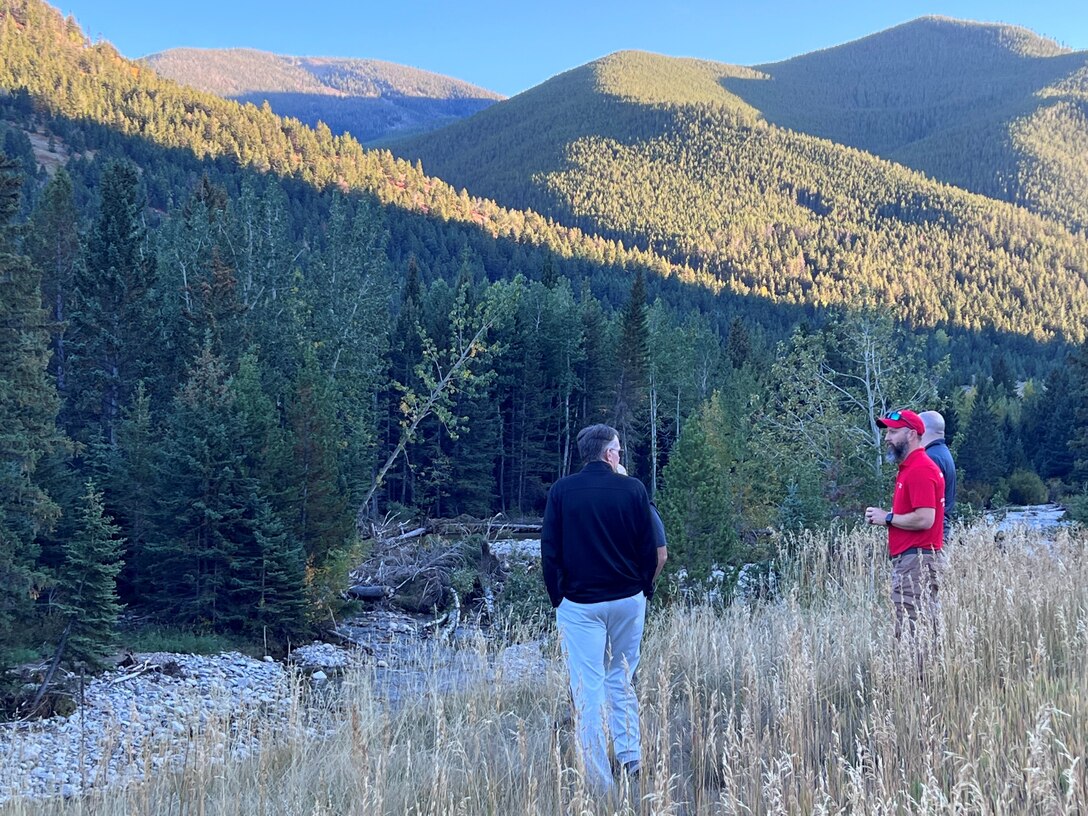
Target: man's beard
(896, 453)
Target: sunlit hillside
(991, 108)
(665, 154)
(994, 109)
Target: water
(1033, 516)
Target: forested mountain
(991, 108)
(657, 152)
(230, 340)
(370, 99)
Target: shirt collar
(907, 462)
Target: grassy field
(800, 705)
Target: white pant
(602, 642)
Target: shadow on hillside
(369, 118)
(171, 174)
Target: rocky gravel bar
(135, 720)
(155, 712)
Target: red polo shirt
(918, 484)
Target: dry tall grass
(800, 705)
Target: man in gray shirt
(937, 450)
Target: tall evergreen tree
(1052, 425)
(696, 501)
(114, 325)
(133, 476)
(348, 326)
(267, 589)
(1078, 444)
(321, 520)
(28, 411)
(595, 369)
(221, 559)
(738, 345)
(220, 550)
(195, 265)
(632, 355)
(265, 261)
(981, 455)
(87, 585)
(54, 246)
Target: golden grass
(801, 705)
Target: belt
(915, 550)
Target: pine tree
(1078, 443)
(87, 584)
(697, 498)
(203, 493)
(197, 280)
(321, 519)
(28, 410)
(268, 593)
(628, 416)
(981, 456)
(113, 317)
(54, 246)
(525, 397)
(266, 437)
(133, 476)
(221, 551)
(405, 353)
(350, 332)
(1053, 425)
(595, 369)
(738, 345)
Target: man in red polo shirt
(915, 523)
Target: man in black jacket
(599, 557)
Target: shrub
(1025, 487)
(523, 601)
(1076, 506)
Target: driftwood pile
(436, 567)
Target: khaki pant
(916, 579)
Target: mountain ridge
(372, 99)
(696, 192)
(710, 182)
(990, 108)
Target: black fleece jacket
(597, 543)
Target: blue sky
(511, 45)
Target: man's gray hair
(934, 422)
(593, 440)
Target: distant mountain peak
(943, 35)
(1019, 40)
(372, 99)
(654, 79)
(237, 71)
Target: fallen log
(363, 592)
(490, 528)
(410, 534)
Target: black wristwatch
(888, 519)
